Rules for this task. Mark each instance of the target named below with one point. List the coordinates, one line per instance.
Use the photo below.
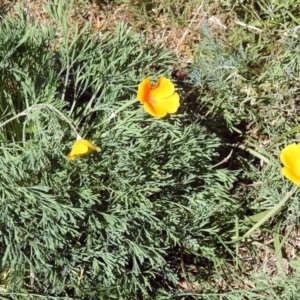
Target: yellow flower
(160, 99)
(82, 147)
(290, 157)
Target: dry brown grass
(177, 28)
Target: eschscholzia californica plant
(82, 147)
(290, 157)
(160, 99)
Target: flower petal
(290, 157)
(170, 104)
(290, 175)
(82, 147)
(144, 90)
(164, 88)
(88, 144)
(154, 110)
(78, 149)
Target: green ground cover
(189, 206)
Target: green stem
(120, 123)
(278, 139)
(35, 106)
(269, 215)
(125, 105)
(23, 113)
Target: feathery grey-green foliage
(246, 81)
(159, 213)
(117, 224)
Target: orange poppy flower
(82, 147)
(290, 157)
(160, 99)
